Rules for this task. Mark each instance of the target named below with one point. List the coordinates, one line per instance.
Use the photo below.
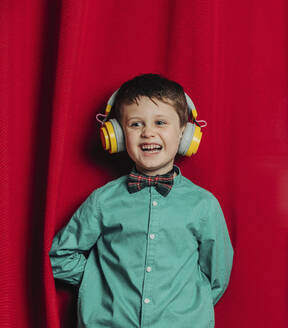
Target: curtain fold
(59, 63)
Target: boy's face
(152, 134)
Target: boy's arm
(71, 244)
(215, 250)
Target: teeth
(151, 147)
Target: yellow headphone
(112, 136)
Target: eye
(160, 122)
(135, 124)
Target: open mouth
(151, 148)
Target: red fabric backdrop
(61, 60)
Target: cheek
(130, 141)
(173, 139)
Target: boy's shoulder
(117, 186)
(197, 200)
(115, 183)
(194, 191)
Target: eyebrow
(155, 117)
(134, 118)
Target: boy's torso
(143, 271)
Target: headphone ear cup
(190, 140)
(119, 135)
(112, 136)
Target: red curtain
(61, 60)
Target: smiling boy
(152, 132)
(157, 256)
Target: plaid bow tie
(162, 183)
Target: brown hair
(152, 86)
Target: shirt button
(146, 300)
(152, 236)
(148, 269)
(154, 203)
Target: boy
(157, 256)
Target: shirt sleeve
(215, 250)
(71, 244)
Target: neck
(153, 174)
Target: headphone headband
(189, 101)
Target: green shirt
(144, 260)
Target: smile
(151, 148)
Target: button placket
(147, 308)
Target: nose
(147, 132)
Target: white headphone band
(189, 101)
